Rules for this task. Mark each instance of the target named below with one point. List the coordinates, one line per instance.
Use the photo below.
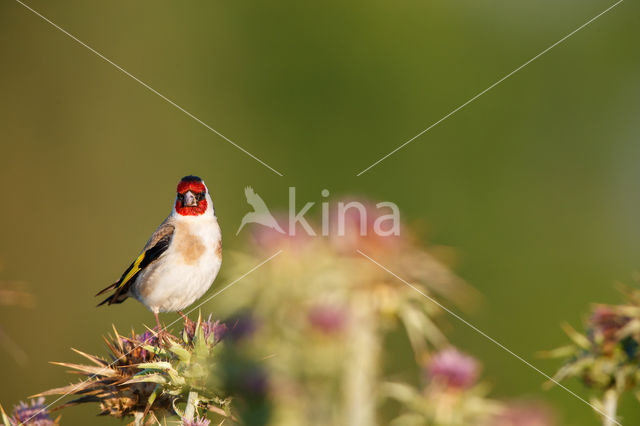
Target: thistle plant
(606, 357)
(148, 378)
(323, 313)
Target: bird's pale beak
(190, 199)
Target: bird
(180, 260)
(260, 213)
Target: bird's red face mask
(191, 199)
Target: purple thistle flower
(198, 421)
(132, 345)
(34, 414)
(453, 369)
(210, 328)
(147, 338)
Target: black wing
(147, 257)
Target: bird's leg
(158, 321)
(161, 331)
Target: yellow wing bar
(135, 268)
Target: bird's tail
(114, 298)
(111, 287)
(107, 300)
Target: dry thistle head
(607, 356)
(33, 414)
(144, 374)
(108, 380)
(606, 328)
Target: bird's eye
(201, 195)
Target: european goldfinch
(181, 259)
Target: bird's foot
(162, 333)
(185, 318)
(164, 337)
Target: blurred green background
(535, 184)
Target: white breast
(186, 270)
